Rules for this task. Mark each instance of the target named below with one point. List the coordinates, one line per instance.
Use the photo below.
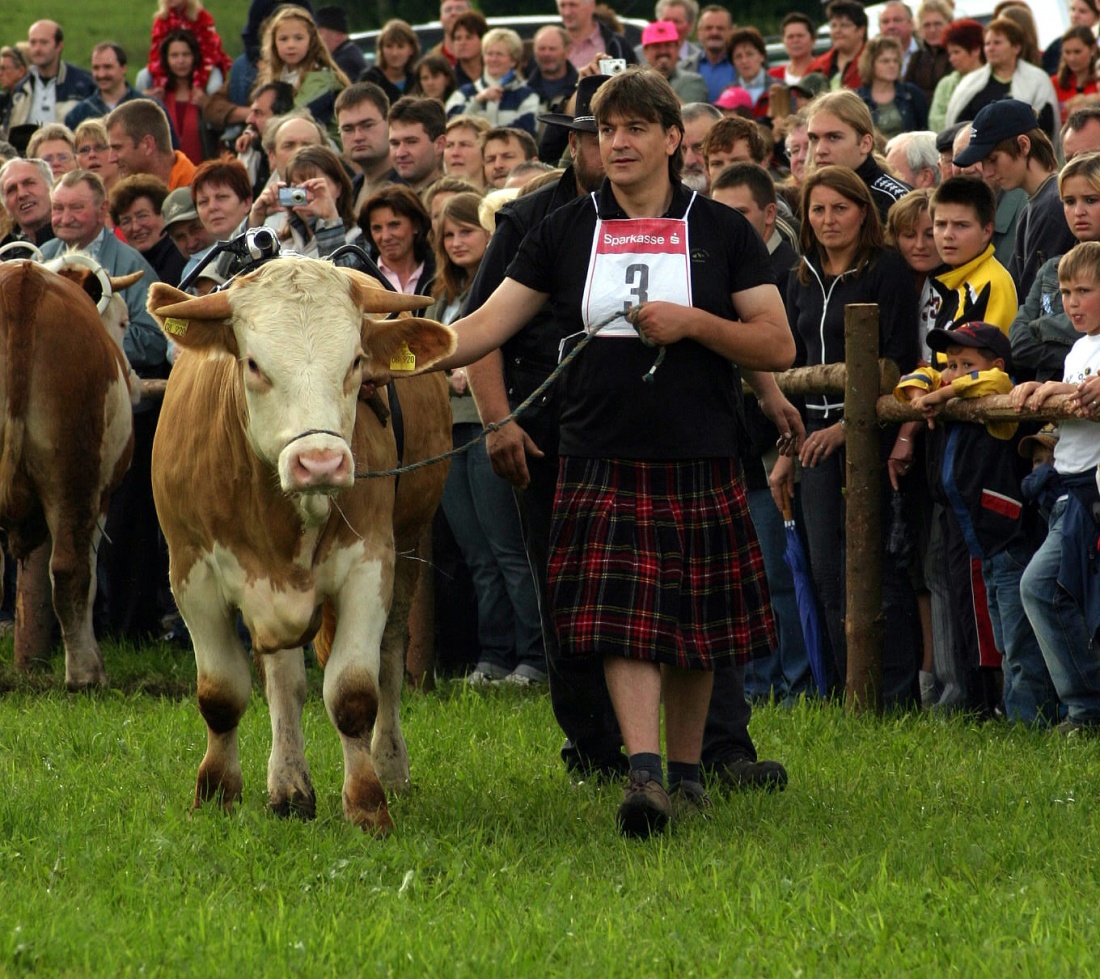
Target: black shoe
(646, 807)
(690, 801)
(582, 768)
(742, 773)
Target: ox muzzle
(316, 461)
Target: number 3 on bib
(637, 278)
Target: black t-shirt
(994, 91)
(691, 409)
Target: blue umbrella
(795, 556)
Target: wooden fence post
(863, 615)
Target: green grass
(127, 22)
(904, 846)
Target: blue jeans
(823, 504)
(1029, 695)
(482, 514)
(1059, 625)
(785, 672)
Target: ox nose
(319, 468)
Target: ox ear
(372, 297)
(406, 346)
(203, 323)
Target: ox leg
(72, 571)
(351, 691)
(33, 621)
(290, 791)
(224, 683)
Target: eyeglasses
(91, 147)
(138, 217)
(57, 157)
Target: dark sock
(650, 762)
(682, 771)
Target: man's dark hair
(647, 95)
(966, 191)
(283, 101)
(428, 112)
(727, 131)
(359, 93)
(750, 175)
(472, 21)
(119, 50)
(850, 9)
(506, 133)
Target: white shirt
(1078, 448)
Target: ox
(67, 439)
(254, 466)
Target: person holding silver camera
(318, 202)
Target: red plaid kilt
(657, 561)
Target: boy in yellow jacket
(975, 287)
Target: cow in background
(254, 474)
(67, 438)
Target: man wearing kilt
(654, 564)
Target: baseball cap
(178, 206)
(810, 85)
(734, 97)
(973, 335)
(996, 122)
(660, 32)
(1046, 436)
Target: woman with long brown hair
(478, 504)
(845, 260)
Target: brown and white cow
(67, 438)
(254, 463)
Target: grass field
(904, 846)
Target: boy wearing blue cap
(974, 471)
(1006, 139)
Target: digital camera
(291, 196)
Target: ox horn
(372, 297)
(120, 282)
(213, 306)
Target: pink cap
(734, 97)
(660, 32)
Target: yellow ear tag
(403, 359)
(176, 327)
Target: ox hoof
(365, 806)
(222, 788)
(298, 805)
(85, 684)
(376, 822)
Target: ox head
(302, 333)
(103, 289)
